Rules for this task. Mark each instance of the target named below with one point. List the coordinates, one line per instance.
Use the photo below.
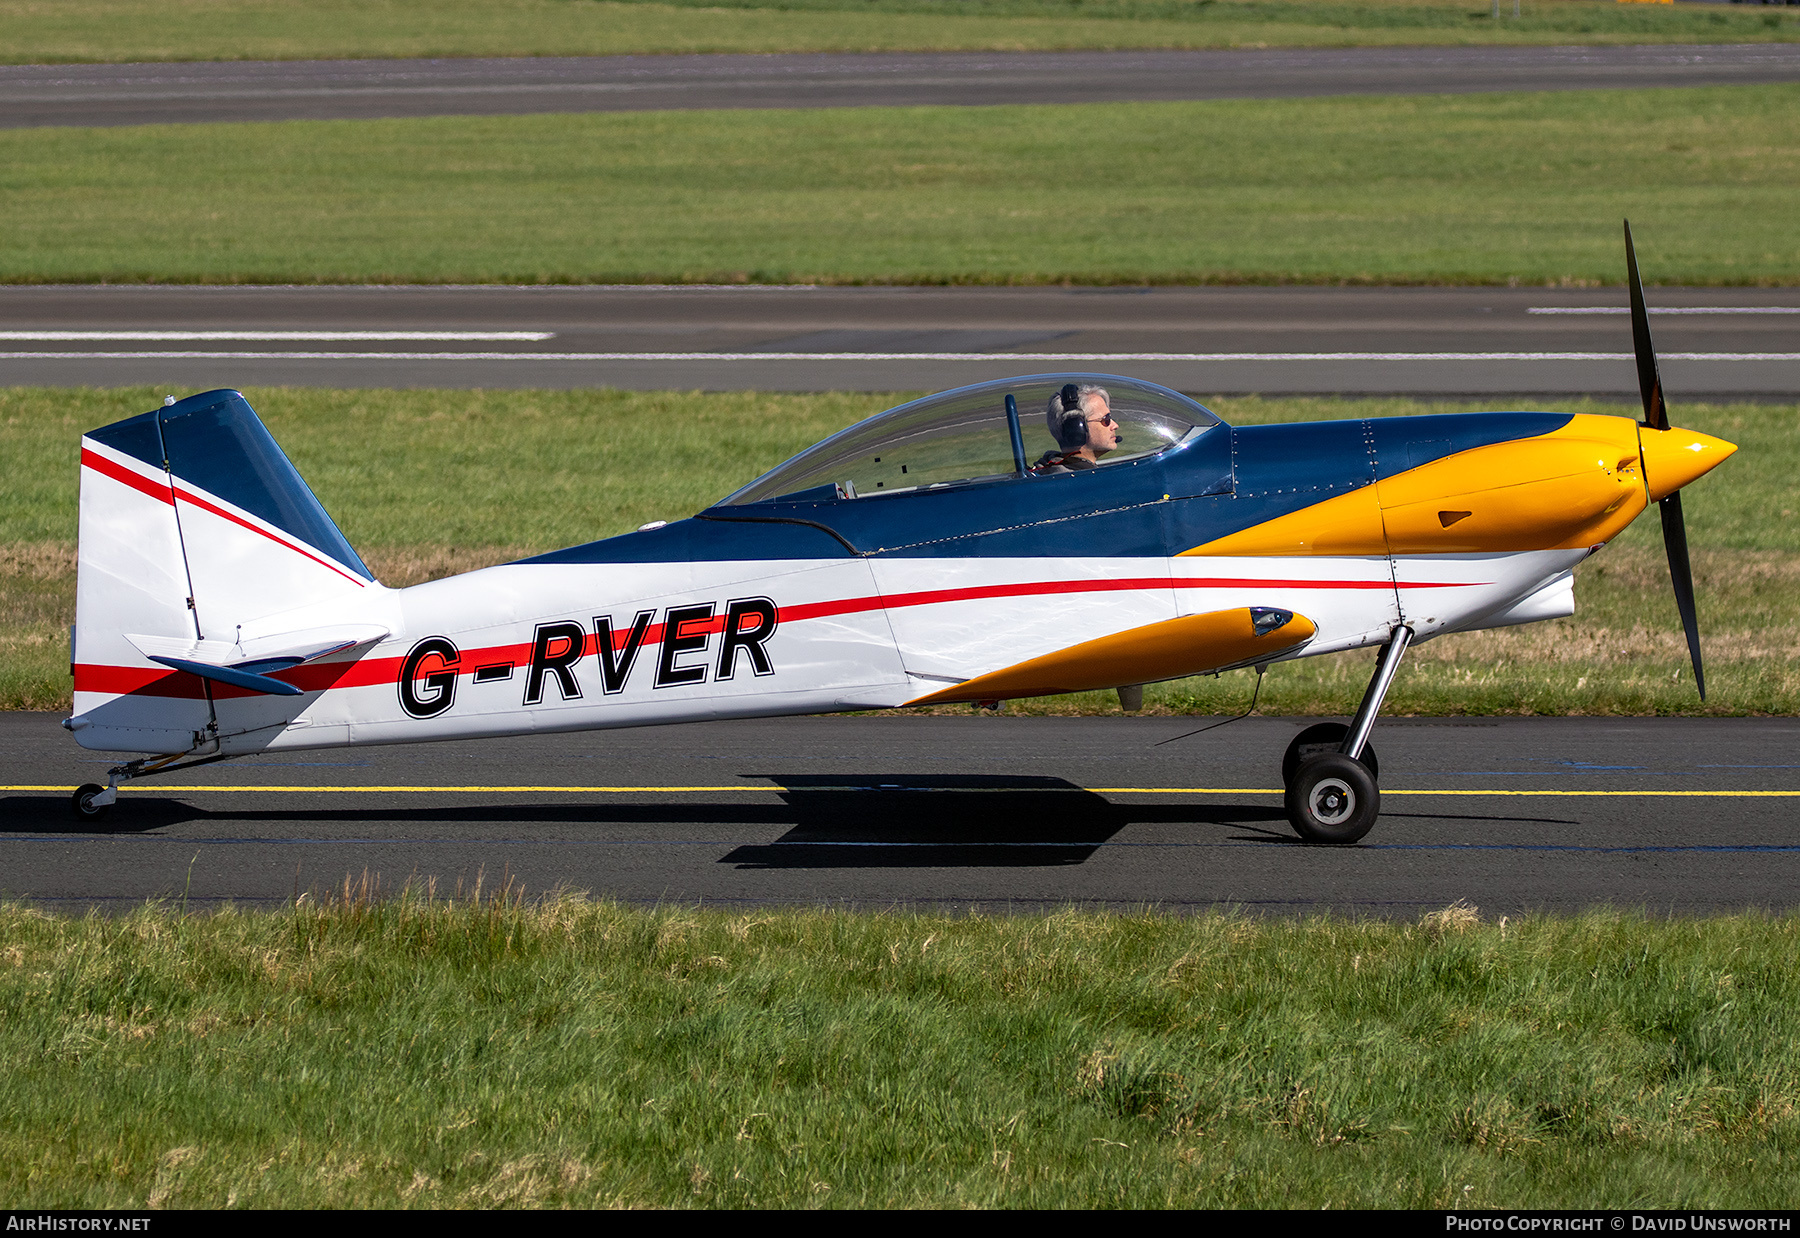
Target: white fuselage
(850, 634)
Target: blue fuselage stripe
(1228, 480)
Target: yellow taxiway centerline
(174, 788)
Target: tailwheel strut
(1332, 793)
(91, 801)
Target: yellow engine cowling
(1575, 487)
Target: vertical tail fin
(193, 524)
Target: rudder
(194, 524)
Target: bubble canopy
(964, 436)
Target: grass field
(141, 30)
(1436, 189)
(413, 479)
(413, 1052)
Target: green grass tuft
(358, 1051)
(1459, 189)
(152, 30)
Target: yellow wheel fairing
(1170, 649)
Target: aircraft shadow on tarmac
(951, 821)
(144, 813)
(834, 820)
(979, 821)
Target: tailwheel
(82, 802)
(1332, 799)
(1322, 737)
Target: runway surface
(1476, 342)
(36, 95)
(1670, 815)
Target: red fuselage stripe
(158, 490)
(162, 492)
(188, 496)
(367, 672)
(1034, 588)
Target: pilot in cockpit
(1080, 419)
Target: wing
(1171, 649)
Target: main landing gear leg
(1332, 796)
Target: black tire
(82, 802)
(1318, 738)
(1332, 799)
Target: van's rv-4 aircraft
(956, 548)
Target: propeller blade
(1656, 414)
(1675, 542)
(1656, 417)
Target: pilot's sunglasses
(1106, 421)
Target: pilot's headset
(1067, 422)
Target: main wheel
(1332, 799)
(82, 802)
(1322, 737)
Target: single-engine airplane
(1035, 535)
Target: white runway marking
(498, 88)
(179, 789)
(1671, 309)
(890, 356)
(274, 336)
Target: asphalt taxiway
(1730, 343)
(133, 94)
(1714, 342)
(1674, 816)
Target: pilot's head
(1080, 419)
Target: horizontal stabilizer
(225, 674)
(263, 654)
